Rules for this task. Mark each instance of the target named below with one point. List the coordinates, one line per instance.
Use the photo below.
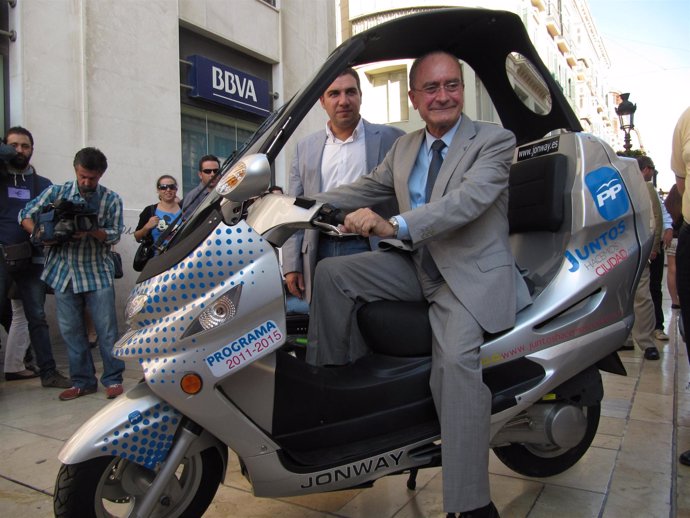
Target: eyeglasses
(170, 186)
(432, 89)
(210, 171)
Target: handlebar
(330, 215)
(329, 219)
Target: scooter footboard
(137, 426)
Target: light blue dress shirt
(417, 181)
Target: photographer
(79, 221)
(20, 263)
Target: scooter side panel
(582, 310)
(229, 259)
(582, 289)
(271, 479)
(138, 426)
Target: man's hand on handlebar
(295, 284)
(366, 222)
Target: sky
(649, 47)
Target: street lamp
(626, 114)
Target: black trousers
(683, 279)
(656, 276)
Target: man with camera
(20, 262)
(79, 221)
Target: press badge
(18, 193)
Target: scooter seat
(394, 328)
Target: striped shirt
(86, 263)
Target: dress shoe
(488, 511)
(112, 391)
(660, 335)
(651, 353)
(75, 392)
(685, 458)
(21, 375)
(56, 379)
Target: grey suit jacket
(299, 252)
(465, 223)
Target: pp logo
(606, 187)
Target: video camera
(7, 152)
(59, 221)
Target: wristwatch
(396, 226)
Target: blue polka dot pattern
(145, 438)
(226, 258)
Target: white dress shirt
(343, 161)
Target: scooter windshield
(256, 144)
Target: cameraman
(80, 270)
(19, 182)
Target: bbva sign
(222, 84)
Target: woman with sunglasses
(154, 219)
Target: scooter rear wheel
(535, 460)
(108, 487)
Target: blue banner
(225, 85)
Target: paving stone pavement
(631, 470)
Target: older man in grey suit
(451, 248)
(348, 148)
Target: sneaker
(75, 392)
(112, 391)
(660, 335)
(56, 380)
(651, 353)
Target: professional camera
(59, 221)
(73, 217)
(7, 152)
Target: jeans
(656, 274)
(683, 279)
(293, 305)
(70, 314)
(32, 292)
(336, 247)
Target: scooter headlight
(219, 312)
(248, 178)
(134, 305)
(232, 179)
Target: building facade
(154, 84)
(562, 31)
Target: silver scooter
(207, 319)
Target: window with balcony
(386, 100)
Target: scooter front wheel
(108, 487)
(536, 460)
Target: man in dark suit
(346, 149)
(450, 248)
